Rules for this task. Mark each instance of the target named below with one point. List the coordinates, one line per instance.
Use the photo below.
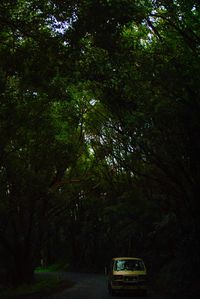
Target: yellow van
(127, 274)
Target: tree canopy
(99, 126)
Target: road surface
(90, 286)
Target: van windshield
(131, 265)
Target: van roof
(126, 258)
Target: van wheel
(144, 293)
(110, 290)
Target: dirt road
(90, 286)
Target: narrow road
(90, 286)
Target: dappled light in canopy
(99, 127)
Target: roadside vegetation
(44, 284)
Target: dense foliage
(100, 106)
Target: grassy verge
(44, 285)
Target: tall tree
(38, 130)
(145, 67)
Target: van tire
(110, 290)
(144, 293)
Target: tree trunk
(23, 267)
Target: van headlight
(142, 277)
(117, 277)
